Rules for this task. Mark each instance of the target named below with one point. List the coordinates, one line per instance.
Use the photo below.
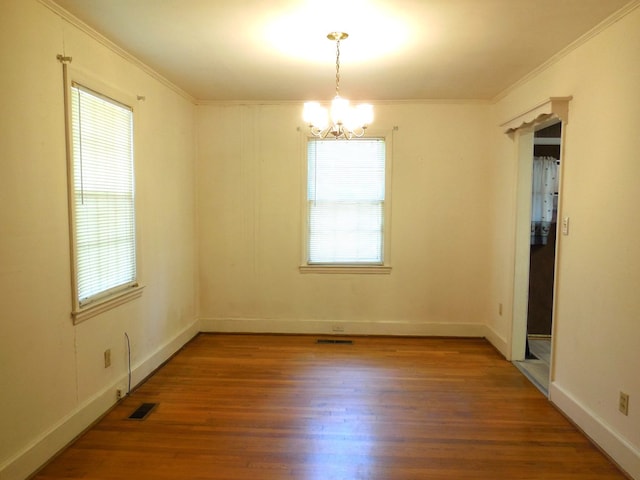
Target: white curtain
(545, 185)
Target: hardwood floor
(284, 407)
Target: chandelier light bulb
(316, 116)
(365, 113)
(339, 110)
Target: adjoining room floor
(541, 348)
(268, 407)
(537, 369)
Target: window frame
(108, 299)
(348, 268)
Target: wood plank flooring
(284, 407)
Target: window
(102, 197)
(346, 202)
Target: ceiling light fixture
(342, 120)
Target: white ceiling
(277, 50)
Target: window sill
(102, 306)
(347, 269)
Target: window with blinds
(103, 202)
(345, 197)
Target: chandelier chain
(337, 67)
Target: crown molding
(85, 28)
(602, 26)
(436, 101)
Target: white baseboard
(146, 367)
(47, 445)
(340, 327)
(499, 342)
(616, 447)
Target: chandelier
(341, 120)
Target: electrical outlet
(119, 393)
(107, 358)
(623, 403)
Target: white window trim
(100, 306)
(352, 269)
(359, 269)
(80, 313)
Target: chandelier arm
(359, 132)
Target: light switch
(565, 225)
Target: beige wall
(235, 175)
(52, 376)
(597, 327)
(251, 203)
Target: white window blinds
(345, 196)
(103, 195)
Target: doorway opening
(540, 175)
